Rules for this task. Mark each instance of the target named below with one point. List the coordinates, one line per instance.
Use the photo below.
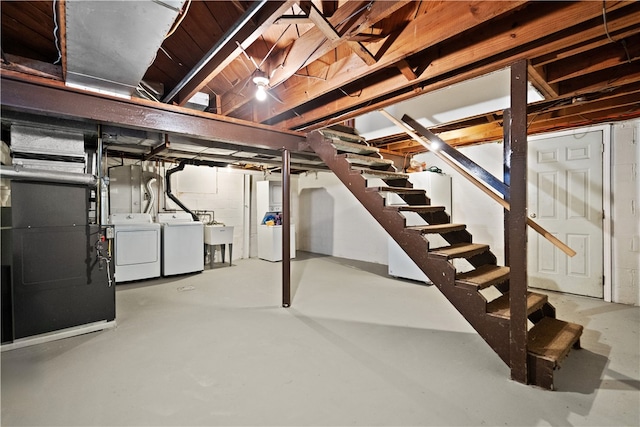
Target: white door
(565, 197)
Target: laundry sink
(218, 234)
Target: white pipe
(28, 174)
(152, 195)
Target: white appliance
(219, 235)
(269, 204)
(182, 243)
(438, 188)
(270, 242)
(137, 246)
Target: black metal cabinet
(57, 279)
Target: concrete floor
(356, 348)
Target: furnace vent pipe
(28, 174)
(180, 167)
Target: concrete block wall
(220, 190)
(625, 189)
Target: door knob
(532, 215)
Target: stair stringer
(470, 304)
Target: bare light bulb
(261, 93)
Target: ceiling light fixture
(262, 82)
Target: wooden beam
(46, 98)
(499, 46)
(322, 24)
(362, 52)
(552, 119)
(313, 45)
(622, 22)
(630, 73)
(332, 35)
(62, 35)
(406, 70)
(292, 20)
(605, 57)
(538, 78)
(33, 67)
(221, 56)
(412, 40)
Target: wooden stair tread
(459, 250)
(551, 339)
(366, 160)
(343, 136)
(437, 228)
(382, 174)
(483, 276)
(417, 208)
(499, 307)
(352, 147)
(397, 190)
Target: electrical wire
(55, 33)
(179, 21)
(274, 45)
(606, 31)
(351, 96)
(367, 6)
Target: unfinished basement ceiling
(330, 61)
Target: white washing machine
(137, 246)
(182, 243)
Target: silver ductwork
(29, 174)
(127, 33)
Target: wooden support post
(518, 223)
(286, 228)
(506, 177)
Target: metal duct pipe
(28, 174)
(150, 177)
(180, 167)
(100, 202)
(227, 38)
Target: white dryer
(137, 246)
(182, 243)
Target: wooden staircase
(548, 339)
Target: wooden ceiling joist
(224, 53)
(501, 46)
(412, 40)
(314, 44)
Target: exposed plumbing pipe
(28, 174)
(180, 167)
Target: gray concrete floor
(356, 348)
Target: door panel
(565, 197)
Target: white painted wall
(220, 190)
(484, 217)
(333, 222)
(625, 188)
(481, 95)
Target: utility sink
(218, 234)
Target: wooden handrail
(428, 145)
